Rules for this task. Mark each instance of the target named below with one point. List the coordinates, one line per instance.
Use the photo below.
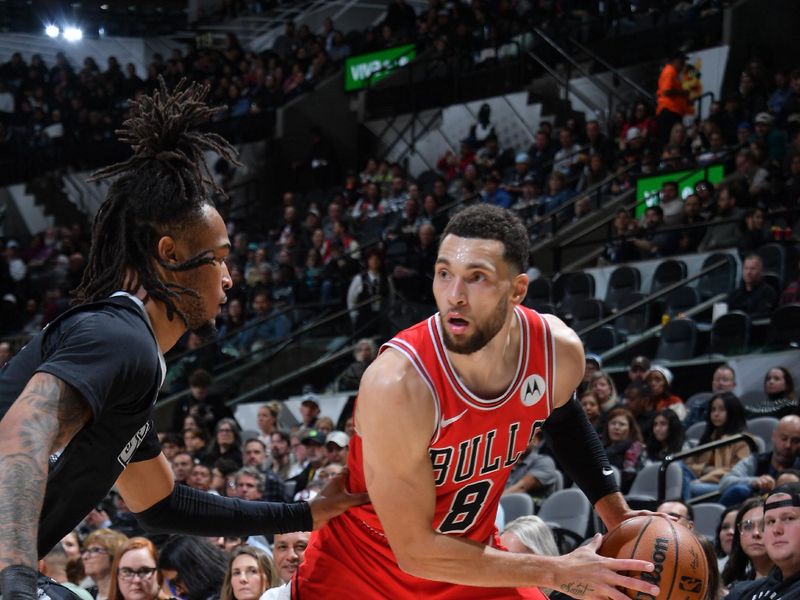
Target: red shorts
(346, 560)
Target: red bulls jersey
(475, 443)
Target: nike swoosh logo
(608, 471)
(446, 422)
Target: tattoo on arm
(576, 589)
(43, 419)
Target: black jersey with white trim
(106, 351)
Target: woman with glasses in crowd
(193, 567)
(99, 549)
(748, 558)
(250, 573)
(134, 573)
(227, 443)
(723, 541)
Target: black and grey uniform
(107, 351)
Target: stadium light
(73, 34)
(52, 31)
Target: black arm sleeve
(578, 449)
(193, 512)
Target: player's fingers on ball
(629, 564)
(637, 585)
(611, 593)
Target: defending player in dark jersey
(76, 402)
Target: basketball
(681, 571)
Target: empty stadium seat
(681, 299)
(784, 327)
(763, 428)
(730, 334)
(678, 340)
(667, 272)
(540, 290)
(516, 505)
(706, 518)
(774, 258)
(568, 509)
(719, 281)
(578, 286)
(635, 321)
(586, 312)
(623, 280)
(601, 339)
(645, 486)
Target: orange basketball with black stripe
(681, 570)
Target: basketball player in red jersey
(442, 415)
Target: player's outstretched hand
(583, 573)
(334, 499)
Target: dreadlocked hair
(160, 189)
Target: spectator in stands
(787, 476)
(620, 248)
(636, 398)
(182, 466)
(170, 444)
(200, 478)
(623, 443)
(529, 535)
(337, 446)
(757, 473)
(312, 442)
(54, 566)
(723, 380)
(593, 174)
(652, 241)
(195, 440)
(288, 552)
(780, 396)
(671, 203)
(513, 181)
(372, 282)
(680, 510)
(134, 573)
(533, 474)
(659, 379)
(754, 297)
(193, 567)
(483, 128)
(309, 410)
(255, 455)
(755, 233)
(673, 99)
(773, 139)
(267, 421)
(567, 159)
(227, 442)
(666, 435)
(591, 406)
(604, 390)
(267, 325)
(452, 166)
(363, 354)
(99, 551)
(694, 222)
(206, 407)
(782, 544)
(790, 295)
(541, 154)
(754, 177)
(492, 193)
(748, 559)
(5, 353)
(723, 541)
(250, 573)
(556, 194)
(725, 229)
(704, 471)
(283, 464)
(638, 368)
(324, 425)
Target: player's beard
(484, 332)
(196, 320)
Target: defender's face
(473, 286)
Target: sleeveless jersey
(475, 443)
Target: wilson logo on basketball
(659, 556)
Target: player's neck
(488, 372)
(167, 331)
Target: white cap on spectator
(522, 157)
(764, 117)
(632, 134)
(339, 438)
(664, 371)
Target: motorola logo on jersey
(532, 390)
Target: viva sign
(365, 69)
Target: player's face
(210, 280)
(288, 551)
(475, 291)
(136, 579)
(247, 582)
(782, 535)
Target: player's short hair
(488, 222)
